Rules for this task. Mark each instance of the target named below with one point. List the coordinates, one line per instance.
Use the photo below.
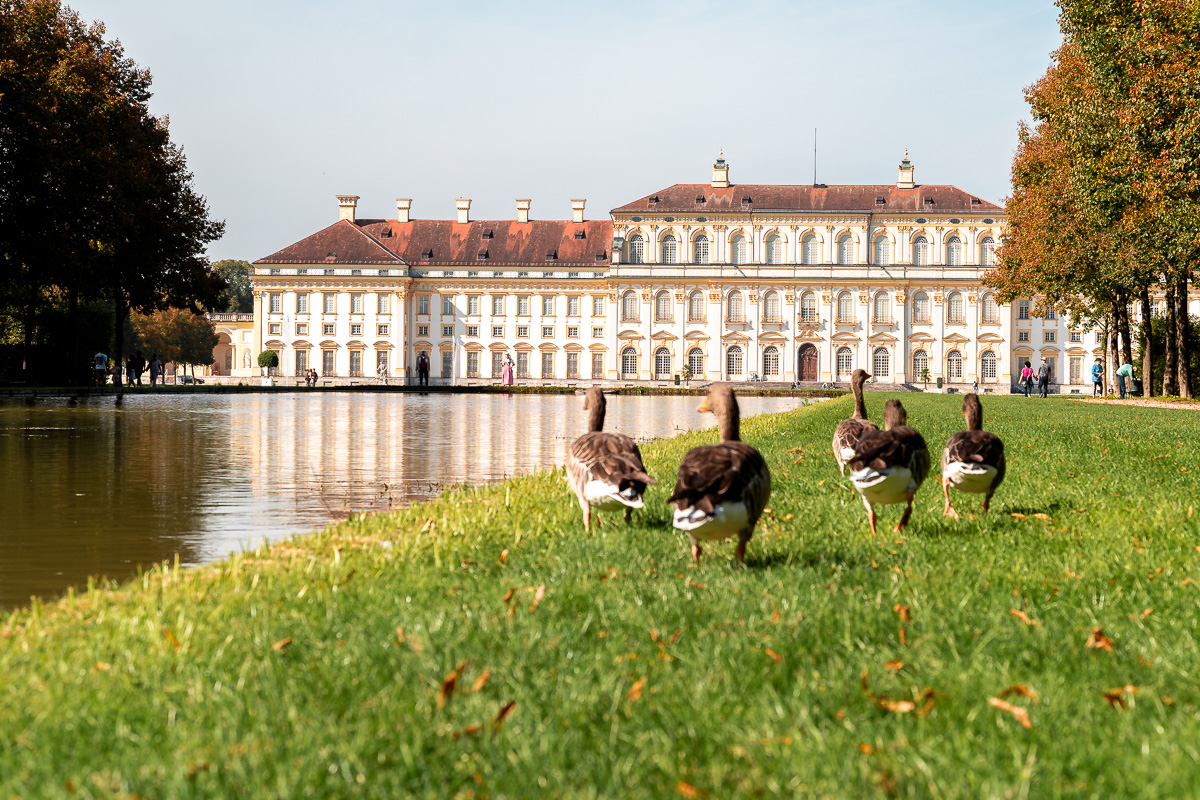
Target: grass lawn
(418, 654)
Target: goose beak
(703, 407)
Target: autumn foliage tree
(1106, 191)
(177, 336)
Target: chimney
(523, 210)
(464, 211)
(720, 172)
(403, 204)
(347, 203)
(905, 180)
(577, 210)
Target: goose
(973, 460)
(722, 488)
(890, 465)
(605, 470)
(849, 431)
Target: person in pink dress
(506, 371)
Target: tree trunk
(1183, 331)
(1123, 315)
(27, 337)
(1114, 332)
(1170, 373)
(120, 311)
(1147, 355)
(74, 370)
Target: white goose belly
(886, 486)
(967, 477)
(726, 520)
(604, 496)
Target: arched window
(954, 251)
(637, 249)
(987, 251)
(737, 311)
(670, 249)
(738, 251)
(700, 249)
(920, 307)
(696, 306)
(733, 360)
(629, 362)
(881, 363)
(883, 250)
(662, 363)
(808, 307)
(987, 366)
(920, 363)
(629, 306)
(846, 250)
(845, 363)
(662, 306)
(772, 310)
(920, 251)
(770, 362)
(696, 362)
(988, 308)
(845, 307)
(954, 307)
(812, 250)
(882, 308)
(774, 250)
(954, 366)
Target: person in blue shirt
(1098, 378)
(1125, 373)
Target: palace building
(730, 281)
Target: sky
(280, 106)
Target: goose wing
(900, 446)
(848, 432)
(976, 447)
(729, 472)
(609, 457)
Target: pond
(97, 490)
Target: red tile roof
(682, 199)
(538, 243)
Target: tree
(268, 359)
(238, 297)
(177, 336)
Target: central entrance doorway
(808, 363)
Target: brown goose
(605, 469)
(890, 465)
(849, 431)
(973, 460)
(722, 488)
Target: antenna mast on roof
(814, 156)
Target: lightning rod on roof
(814, 156)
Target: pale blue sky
(282, 105)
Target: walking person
(1098, 378)
(423, 369)
(1027, 378)
(155, 370)
(1043, 377)
(100, 367)
(1125, 372)
(139, 366)
(506, 371)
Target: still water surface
(97, 490)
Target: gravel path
(1141, 401)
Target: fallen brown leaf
(866, 749)
(775, 616)
(635, 692)
(537, 596)
(1015, 515)
(449, 685)
(697, 585)
(1116, 697)
(504, 711)
(504, 555)
(687, 790)
(171, 639)
(786, 517)
(481, 680)
(467, 731)
(103, 666)
(1021, 615)
(820, 481)
(774, 655)
(1021, 715)
(281, 644)
(862, 680)
(509, 595)
(1042, 516)
(894, 666)
(905, 614)
(1021, 689)
(1098, 641)
(896, 706)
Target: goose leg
(696, 551)
(870, 514)
(587, 517)
(907, 513)
(628, 515)
(949, 509)
(741, 550)
(987, 499)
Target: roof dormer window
(701, 199)
(601, 256)
(881, 201)
(747, 200)
(654, 199)
(483, 254)
(427, 253)
(552, 255)
(975, 201)
(488, 234)
(580, 235)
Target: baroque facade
(732, 281)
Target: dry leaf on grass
(1015, 515)
(774, 655)
(1021, 689)
(894, 666)
(537, 596)
(905, 614)
(1116, 697)
(504, 555)
(635, 692)
(1021, 715)
(504, 711)
(687, 790)
(282, 644)
(481, 680)
(895, 706)
(467, 731)
(1042, 516)
(1021, 615)
(1098, 641)
(509, 595)
(449, 685)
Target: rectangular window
(1047, 337)
(327, 357)
(473, 305)
(423, 304)
(1077, 336)
(497, 306)
(1099, 337)
(572, 365)
(330, 302)
(302, 329)
(472, 365)
(547, 306)
(356, 363)
(573, 306)
(1022, 309)
(598, 365)
(522, 331)
(422, 330)
(497, 364)
(447, 330)
(447, 363)
(597, 306)
(356, 303)
(276, 303)
(1076, 370)
(497, 331)
(597, 333)
(1022, 336)
(381, 363)
(572, 331)
(383, 304)
(447, 306)
(327, 330)
(547, 331)
(381, 330)
(356, 329)
(1048, 314)
(522, 365)
(473, 330)
(301, 362)
(547, 365)
(523, 305)
(276, 328)
(301, 304)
